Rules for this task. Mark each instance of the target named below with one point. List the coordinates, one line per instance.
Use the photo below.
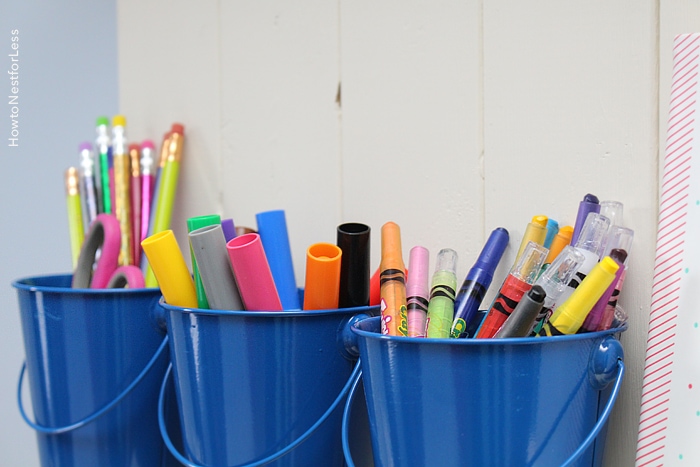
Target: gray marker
(523, 316)
(209, 249)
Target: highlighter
(589, 204)
(442, 294)
(520, 279)
(75, 214)
(536, 231)
(554, 280)
(417, 291)
(392, 283)
(122, 179)
(570, 315)
(478, 281)
(322, 280)
(194, 223)
(170, 269)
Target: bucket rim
(481, 342)
(269, 314)
(25, 283)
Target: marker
(478, 281)
(560, 240)
(595, 317)
(613, 211)
(322, 280)
(122, 206)
(589, 243)
(147, 164)
(587, 205)
(392, 282)
(374, 289)
(102, 145)
(442, 294)
(196, 223)
(518, 282)
(554, 280)
(552, 229)
(618, 238)
(75, 215)
(569, 316)
(229, 229)
(169, 267)
(135, 195)
(353, 239)
(167, 187)
(87, 184)
(523, 316)
(536, 231)
(417, 291)
(252, 272)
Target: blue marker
(552, 230)
(478, 281)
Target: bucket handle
(586, 442)
(95, 415)
(352, 381)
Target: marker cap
(556, 277)
(446, 261)
(530, 262)
(593, 234)
(620, 238)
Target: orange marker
(322, 285)
(392, 281)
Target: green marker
(442, 294)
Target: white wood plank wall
(449, 117)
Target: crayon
(595, 317)
(552, 230)
(618, 238)
(392, 283)
(570, 315)
(523, 316)
(442, 295)
(518, 282)
(536, 231)
(417, 291)
(589, 204)
(478, 281)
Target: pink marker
(252, 273)
(417, 291)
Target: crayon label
(459, 327)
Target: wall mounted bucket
(95, 361)
(261, 388)
(488, 402)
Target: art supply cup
(354, 240)
(252, 272)
(538, 402)
(272, 227)
(95, 360)
(322, 283)
(209, 250)
(259, 386)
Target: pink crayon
(252, 272)
(417, 291)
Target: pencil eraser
(177, 128)
(119, 120)
(85, 146)
(134, 147)
(148, 144)
(102, 121)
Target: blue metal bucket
(496, 402)
(261, 388)
(95, 360)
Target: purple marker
(589, 204)
(229, 229)
(417, 291)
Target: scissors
(104, 235)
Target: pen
(554, 280)
(102, 145)
(478, 281)
(167, 184)
(569, 316)
(197, 223)
(523, 316)
(392, 283)
(87, 184)
(518, 282)
(442, 294)
(589, 204)
(75, 216)
(417, 291)
(147, 164)
(122, 206)
(536, 231)
(135, 195)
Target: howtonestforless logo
(13, 96)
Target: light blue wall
(67, 77)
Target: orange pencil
(392, 280)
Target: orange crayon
(392, 279)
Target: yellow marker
(570, 315)
(166, 260)
(536, 231)
(122, 197)
(75, 213)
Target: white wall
(67, 77)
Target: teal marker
(442, 294)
